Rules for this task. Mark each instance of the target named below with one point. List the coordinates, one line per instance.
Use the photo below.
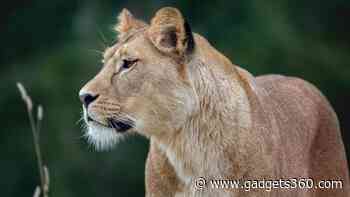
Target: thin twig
(37, 192)
(40, 115)
(43, 171)
(47, 182)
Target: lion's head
(143, 85)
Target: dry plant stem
(37, 192)
(47, 182)
(37, 149)
(43, 171)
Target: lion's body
(206, 117)
(293, 133)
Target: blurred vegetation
(51, 46)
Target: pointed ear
(170, 33)
(127, 22)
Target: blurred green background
(52, 47)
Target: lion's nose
(87, 98)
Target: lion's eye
(126, 64)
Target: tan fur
(127, 23)
(167, 20)
(206, 117)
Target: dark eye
(128, 63)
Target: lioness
(208, 119)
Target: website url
(268, 185)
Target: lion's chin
(102, 138)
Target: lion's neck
(207, 141)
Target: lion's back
(297, 104)
(308, 128)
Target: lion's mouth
(119, 126)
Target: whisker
(80, 120)
(96, 51)
(104, 40)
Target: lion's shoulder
(296, 104)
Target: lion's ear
(170, 33)
(127, 22)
